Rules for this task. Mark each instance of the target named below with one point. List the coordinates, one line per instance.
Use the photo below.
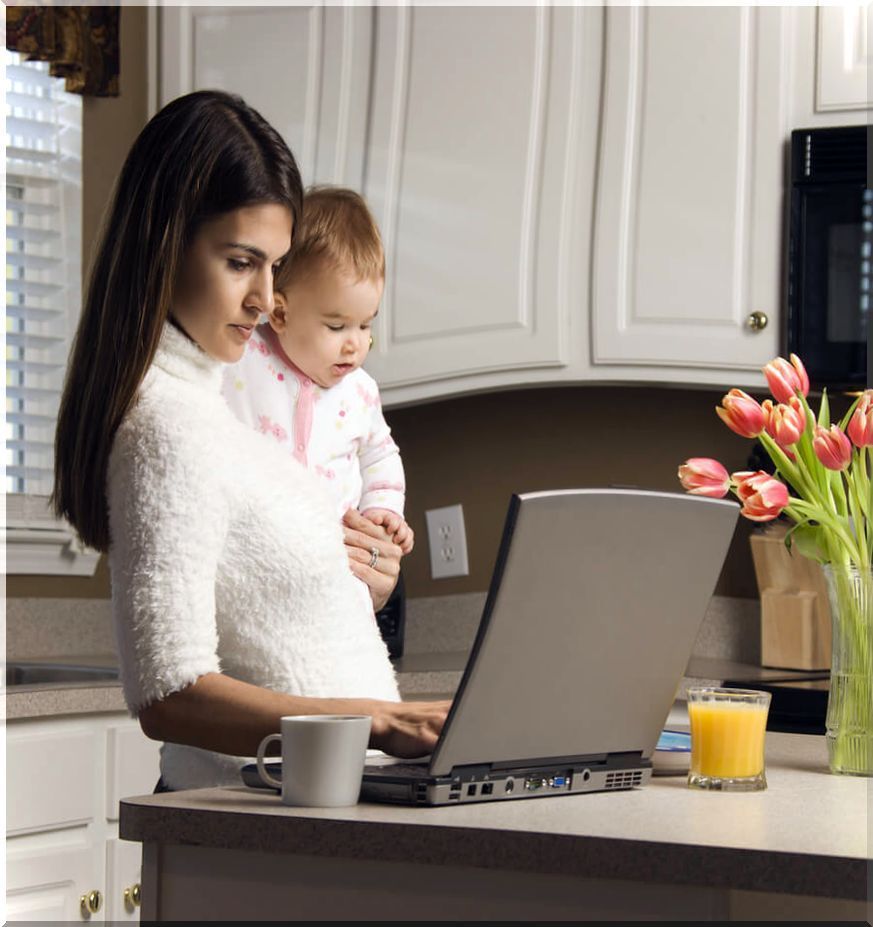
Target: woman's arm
(221, 713)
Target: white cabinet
(306, 69)
(689, 200)
(566, 194)
(65, 777)
(473, 143)
(843, 58)
(47, 873)
(124, 878)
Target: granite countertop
(807, 833)
(421, 676)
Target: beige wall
(474, 450)
(477, 450)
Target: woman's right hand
(408, 729)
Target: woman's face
(226, 278)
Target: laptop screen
(595, 603)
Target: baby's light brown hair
(335, 231)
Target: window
(43, 294)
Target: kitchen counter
(684, 850)
(420, 676)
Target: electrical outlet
(448, 542)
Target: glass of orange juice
(727, 738)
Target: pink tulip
(703, 476)
(784, 423)
(762, 495)
(832, 447)
(860, 427)
(786, 379)
(741, 414)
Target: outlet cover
(448, 542)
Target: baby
(300, 379)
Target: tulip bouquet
(822, 482)
(830, 477)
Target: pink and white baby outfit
(339, 433)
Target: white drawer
(52, 777)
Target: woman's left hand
(362, 539)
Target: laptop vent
(624, 780)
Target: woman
(233, 589)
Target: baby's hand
(401, 534)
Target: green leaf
(806, 538)
(824, 410)
(838, 490)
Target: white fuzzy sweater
(226, 556)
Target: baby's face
(323, 323)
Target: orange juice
(727, 738)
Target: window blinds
(43, 258)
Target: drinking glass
(727, 738)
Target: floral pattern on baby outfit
(340, 433)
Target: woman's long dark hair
(204, 154)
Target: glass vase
(850, 704)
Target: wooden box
(795, 615)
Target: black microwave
(830, 253)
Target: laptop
(595, 602)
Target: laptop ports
(487, 788)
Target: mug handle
(262, 771)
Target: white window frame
(35, 541)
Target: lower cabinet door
(55, 876)
(123, 879)
(133, 764)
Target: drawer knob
(133, 896)
(91, 903)
(757, 321)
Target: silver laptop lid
(595, 603)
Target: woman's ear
(279, 316)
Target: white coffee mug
(322, 759)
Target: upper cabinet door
(306, 69)
(842, 63)
(472, 140)
(689, 210)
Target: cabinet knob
(757, 321)
(91, 903)
(133, 896)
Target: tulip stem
(827, 519)
(805, 450)
(794, 473)
(857, 510)
(867, 472)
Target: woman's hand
(408, 729)
(362, 538)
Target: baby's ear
(279, 315)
